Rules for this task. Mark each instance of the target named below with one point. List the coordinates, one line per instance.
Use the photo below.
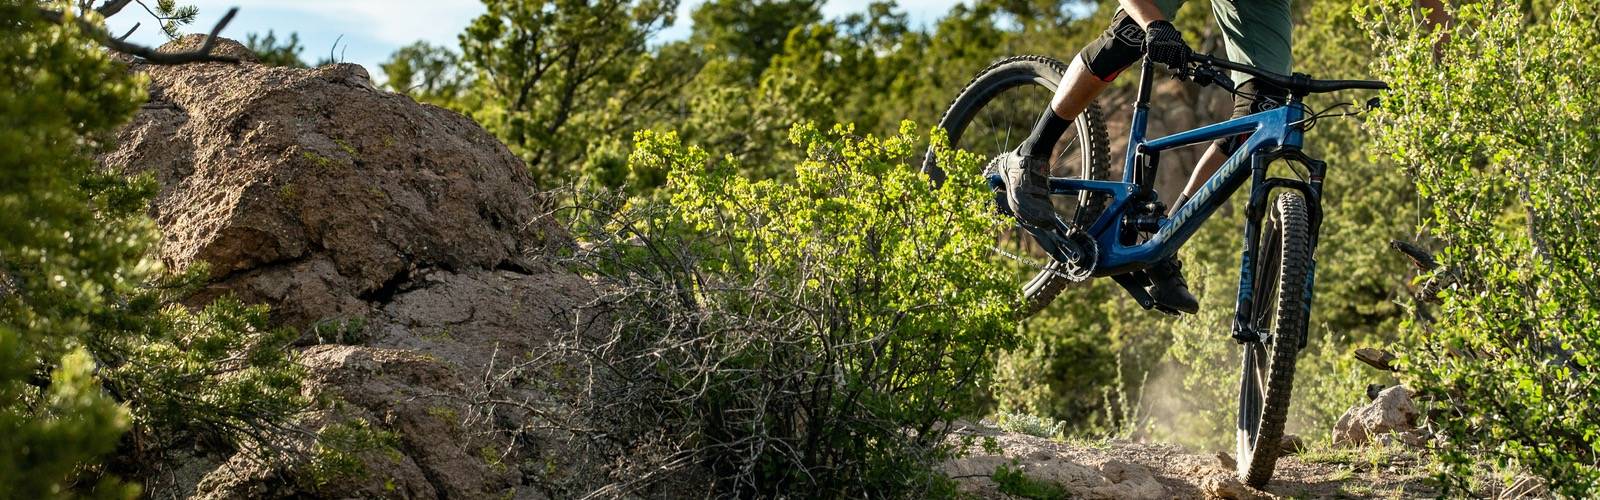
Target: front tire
(1281, 301)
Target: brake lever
(1204, 75)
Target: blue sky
(372, 29)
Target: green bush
(1031, 425)
(1498, 118)
(1011, 480)
(816, 335)
(89, 345)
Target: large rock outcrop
(316, 192)
(407, 225)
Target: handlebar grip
(1332, 85)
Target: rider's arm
(1162, 42)
(1143, 11)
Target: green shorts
(1257, 32)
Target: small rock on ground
(1392, 411)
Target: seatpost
(1141, 108)
(1145, 76)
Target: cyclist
(1256, 32)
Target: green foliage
(271, 53)
(61, 264)
(427, 73)
(1010, 479)
(89, 346)
(173, 16)
(556, 76)
(1497, 117)
(73, 424)
(1024, 423)
(744, 36)
(220, 373)
(347, 331)
(340, 447)
(810, 336)
(1062, 363)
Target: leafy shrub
(813, 336)
(1498, 118)
(90, 346)
(1023, 423)
(1011, 480)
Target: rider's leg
(1027, 169)
(1255, 97)
(1260, 36)
(1079, 87)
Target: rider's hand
(1164, 44)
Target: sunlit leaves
(1496, 115)
(864, 298)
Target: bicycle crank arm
(1059, 248)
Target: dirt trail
(1117, 469)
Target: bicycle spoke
(1262, 364)
(990, 131)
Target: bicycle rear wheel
(1283, 258)
(991, 116)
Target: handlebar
(1297, 83)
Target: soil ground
(1120, 469)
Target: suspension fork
(1261, 188)
(1318, 169)
(1244, 305)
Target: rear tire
(1281, 301)
(984, 101)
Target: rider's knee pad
(1254, 97)
(1116, 49)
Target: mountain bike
(1116, 229)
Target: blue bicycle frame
(1274, 135)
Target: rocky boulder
(318, 193)
(405, 230)
(1391, 412)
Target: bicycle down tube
(1269, 129)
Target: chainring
(1074, 270)
(1081, 268)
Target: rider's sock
(1046, 132)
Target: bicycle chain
(1078, 274)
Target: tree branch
(130, 32)
(112, 7)
(147, 54)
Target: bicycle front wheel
(991, 116)
(1283, 259)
